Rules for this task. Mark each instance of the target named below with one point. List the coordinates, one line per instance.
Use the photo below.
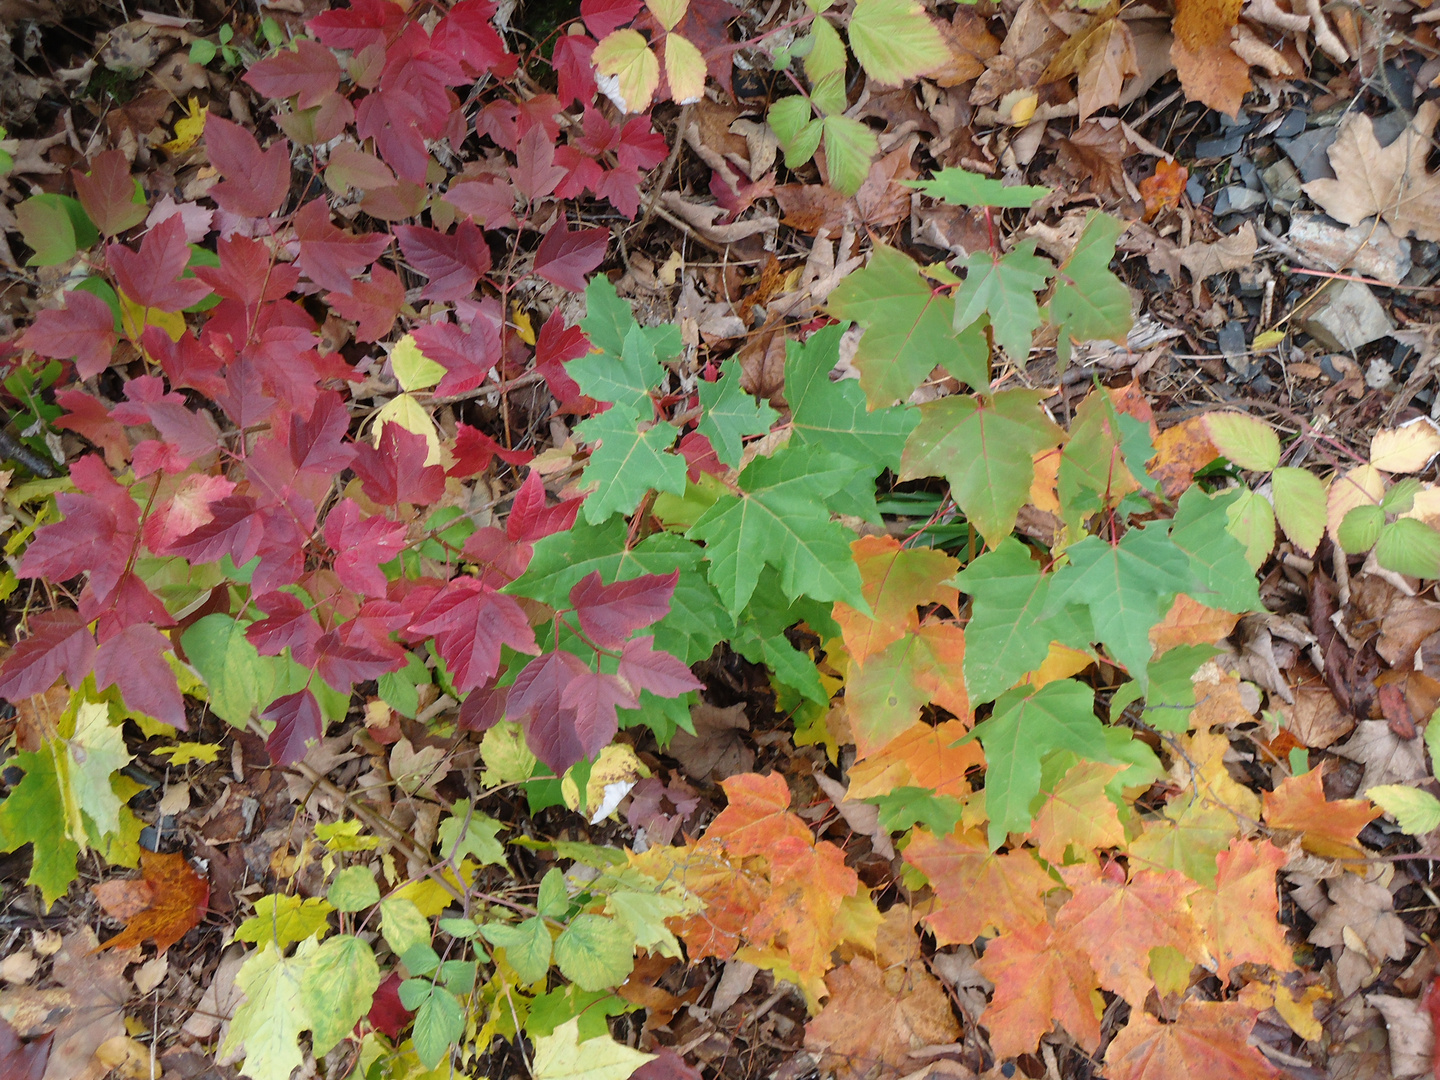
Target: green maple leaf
(94, 751)
(339, 984)
(1028, 724)
(696, 621)
(238, 678)
(905, 807)
(627, 462)
(625, 375)
(1089, 301)
(33, 814)
(1217, 558)
(730, 414)
(959, 187)
(275, 1011)
(1103, 460)
(986, 450)
(908, 331)
(1004, 288)
(608, 322)
(780, 518)
(759, 635)
(1008, 633)
(1127, 587)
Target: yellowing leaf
(895, 41)
(685, 69)
(188, 128)
(134, 319)
(413, 369)
(83, 763)
(1405, 449)
(627, 71)
(1414, 810)
(1267, 340)
(1299, 506)
(561, 1056)
(1299, 1012)
(1060, 662)
(404, 410)
(669, 12)
(1361, 486)
(1248, 442)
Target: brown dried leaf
(1233, 252)
(970, 42)
(718, 748)
(1209, 71)
(1387, 181)
(1368, 911)
(1316, 719)
(1388, 759)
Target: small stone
(1291, 124)
(1345, 316)
(1310, 152)
(1283, 183)
(1195, 189)
(1236, 200)
(1220, 146)
(1369, 248)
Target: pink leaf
(330, 257)
(185, 511)
(361, 544)
(373, 304)
(248, 274)
(535, 173)
(646, 668)
(90, 417)
(535, 700)
(467, 35)
(84, 331)
(565, 257)
(594, 696)
(364, 22)
(571, 61)
(490, 203)
(256, 182)
(233, 529)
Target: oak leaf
(178, 900)
(1207, 1042)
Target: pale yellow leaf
(626, 70)
(1405, 449)
(1361, 486)
(410, 415)
(685, 68)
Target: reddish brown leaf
(108, 192)
(1207, 1042)
(180, 899)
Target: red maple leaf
(490, 203)
(557, 344)
(150, 276)
(134, 660)
(700, 456)
(592, 698)
(506, 122)
(453, 262)
(129, 604)
(564, 256)
(535, 173)
(466, 356)
(467, 35)
(256, 182)
(364, 22)
(98, 534)
(530, 519)
(248, 274)
(535, 701)
(644, 667)
(500, 559)
(90, 417)
(163, 906)
(361, 544)
(571, 61)
(289, 625)
(603, 16)
(308, 72)
(352, 653)
(474, 450)
(392, 123)
(233, 529)
(373, 304)
(297, 722)
(470, 621)
(395, 471)
(84, 330)
(634, 147)
(611, 613)
(107, 193)
(184, 511)
(59, 643)
(317, 442)
(329, 256)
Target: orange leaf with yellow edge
(1189, 622)
(1078, 813)
(885, 694)
(757, 815)
(1060, 662)
(1180, 452)
(179, 898)
(1117, 923)
(1328, 829)
(1038, 981)
(895, 581)
(921, 756)
(1047, 475)
(807, 886)
(977, 890)
(1209, 70)
(1241, 914)
(1207, 1042)
(730, 893)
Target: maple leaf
(329, 257)
(84, 330)
(395, 471)
(565, 256)
(756, 815)
(1038, 982)
(364, 22)
(248, 273)
(729, 414)
(1209, 1041)
(100, 529)
(1329, 829)
(59, 643)
(573, 68)
(885, 694)
(23, 1060)
(535, 173)
(808, 883)
(1004, 288)
(256, 182)
(150, 276)
(289, 625)
(611, 613)
(1210, 71)
(895, 580)
(1078, 813)
(177, 900)
(297, 723)
(373, 304)
(108, 193)
(466, 355)
(34, 813)
(307, 72)
(234, 529)
(977, 890)
(90, 417)
(470, 621)
(1241, 915)
(923, 757)
(361, 545)
(627, 461)
(1116, 924)
(466, 33)
(535, 701)
(531, 519)
(986, 450)
(453, 262)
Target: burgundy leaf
(150, 276)
(467, 357)
(571, 61)
(646, 668)
(666, 1065)
(603, 16)
(387, 1014)
(535, 702)
(187, 362)
(467, 35)
(564, 257)
(482, 709)
(530, 519)
(242, 393)
(248, 273)
(393, 125)
(700, 456)
(83, 331)
(364, 22)
(129, 604)
(395, 471)
(60, 643)
(361, 544)
(474, 450)
(233, 530)
(453, 262)
(507, 121)
(343, 662)
(308, 72)
(317, 443)
(594, 696)
(297, 722)
(610, 613)
(107, 193)
(23, 1060)
(256, 182)
(373, 304)
(556, 345)
(470, 621)
(134, 660)
(289, 625)
(489, 203)
(500, 560)
(101, 526)
(329, 256)
(535, 173)
(184, 511)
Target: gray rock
(1291, 124)
(1345, 316)
(1309, 152)
(1236, 200)
(1369, 248)
(1282, 183)
(1220, 146)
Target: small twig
(680, 125)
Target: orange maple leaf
(885, 694)
(1038, 982)
(1189, 622)
(921, 756)
(976, 888)
(178, 899)
(1079, 813)
(1328, 829)
(1164, 188)
(1117, 924)
(1241, 914)
(757, 815)
(807, 886)
(1209, 70)
(895, 580)
(1207, 1042)
(731, 894)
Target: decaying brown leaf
(1388, 181)
(1209, 70)
(1233, 252)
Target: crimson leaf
(565, 257)
(373, 304)
(329, 256)
(247, 273)
(361, 545)
(556, 345)
(571, 61)
(474, 450)
(467, 357)
(467, 35)
(309, 72)
(149, 276)
(233, 529)
(470, 621)
(535, 173)
(289, 625)
(530, 519)
(84, 331)
(100, 528)
(395, 471)
(297, 722)
(134, 660)
(603, 16)
(107, 193)
(610, 613)
(60, 643)
(256, 182)
(535, 701)
(453, 262)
